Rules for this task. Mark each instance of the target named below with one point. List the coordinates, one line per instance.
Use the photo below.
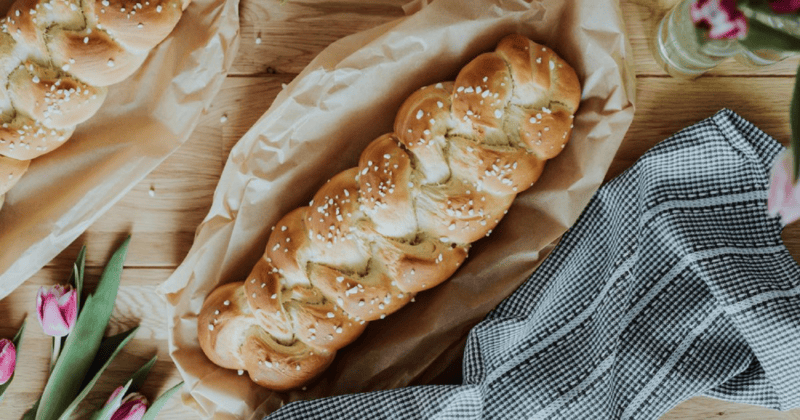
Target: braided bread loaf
(57, 58)
(399, 223)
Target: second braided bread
(399, 223)
(57, 59)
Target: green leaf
(133, 385)
(794, 121)
(763, 37)
(138, 378)
(160, 402)
(763, 8)
(107, 351)
(18, 337)
(108, 409)
(79, 269)
(105, 354)
(16, 340)
(83, 342)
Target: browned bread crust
(399, 223)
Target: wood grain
(163, 225)
(661, 109)
(709, 408)
(291, 35)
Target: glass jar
(679, 53)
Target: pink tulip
(722, 17)
(8, 360)
(133, 407)
(114, 395)
(784, 195)
(785, 6)
(57, 310)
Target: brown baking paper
(319, 125)
(143, 120)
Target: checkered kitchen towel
(673, 283)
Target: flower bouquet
(80, 352)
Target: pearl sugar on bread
(401, 221)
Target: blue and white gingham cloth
(673, 283)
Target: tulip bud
(112, 397)
(133, 407)
(8, 360)
(57, 310)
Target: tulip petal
(777, 185)
(114, 395)
(137, 413)
(723, 18)
(783, 196)
(57, 310)
(63, 298)
(69, 308)
(53, 323)
(111, 406)
(6, 354)
(8, 360)
(40, 303)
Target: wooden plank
(708, 408)
(163, 225)
(667, 105)
(136, 303)
(243, 100)
(295, 32)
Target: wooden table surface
(291, 35)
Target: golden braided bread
(57, 58)
(399, 223)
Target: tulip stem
(56, 351)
